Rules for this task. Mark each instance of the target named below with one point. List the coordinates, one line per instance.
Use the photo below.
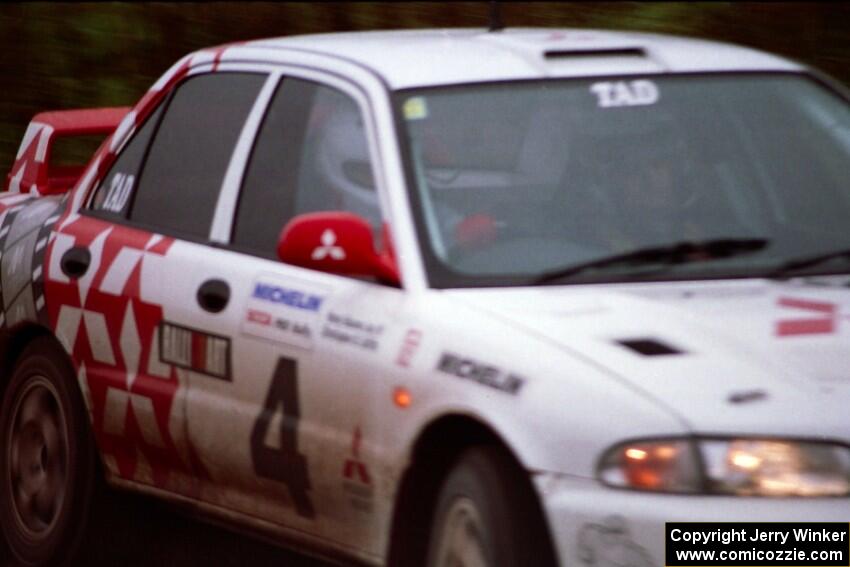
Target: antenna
(495, 17)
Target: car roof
(421, 58)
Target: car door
(288, 436)
(112, 285)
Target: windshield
(514, 181)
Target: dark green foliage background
(74, 55)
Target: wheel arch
(437, 447)
(12, 345)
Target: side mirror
(338, 243)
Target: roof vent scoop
(649, 347)
(601, 52)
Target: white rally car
(443, 298)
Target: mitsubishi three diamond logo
(328, 248)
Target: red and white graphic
(24, 174)
(328, 248)
(354, 468)
(822, 318)
(110, 327)
(412, 340)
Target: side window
(186, 163)
(115, 191)
(311, 154)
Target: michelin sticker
(610, 94)
(283, 310)
(485, 374)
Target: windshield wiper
(683, 252)
(807, 262)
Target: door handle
(75, 262)
(213, 295)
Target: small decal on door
(194, 350)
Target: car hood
(733, 357)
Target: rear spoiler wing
(32, 172)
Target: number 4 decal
(285, 464)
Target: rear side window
(190, 153)
(115, 192)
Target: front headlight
(744, 467)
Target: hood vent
(649, 347)
(747, 396)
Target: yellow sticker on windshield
(415, 108)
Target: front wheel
(487, 516)
(47, 458)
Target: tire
(47, 459)
(487, 516)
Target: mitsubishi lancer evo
(435, 298)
